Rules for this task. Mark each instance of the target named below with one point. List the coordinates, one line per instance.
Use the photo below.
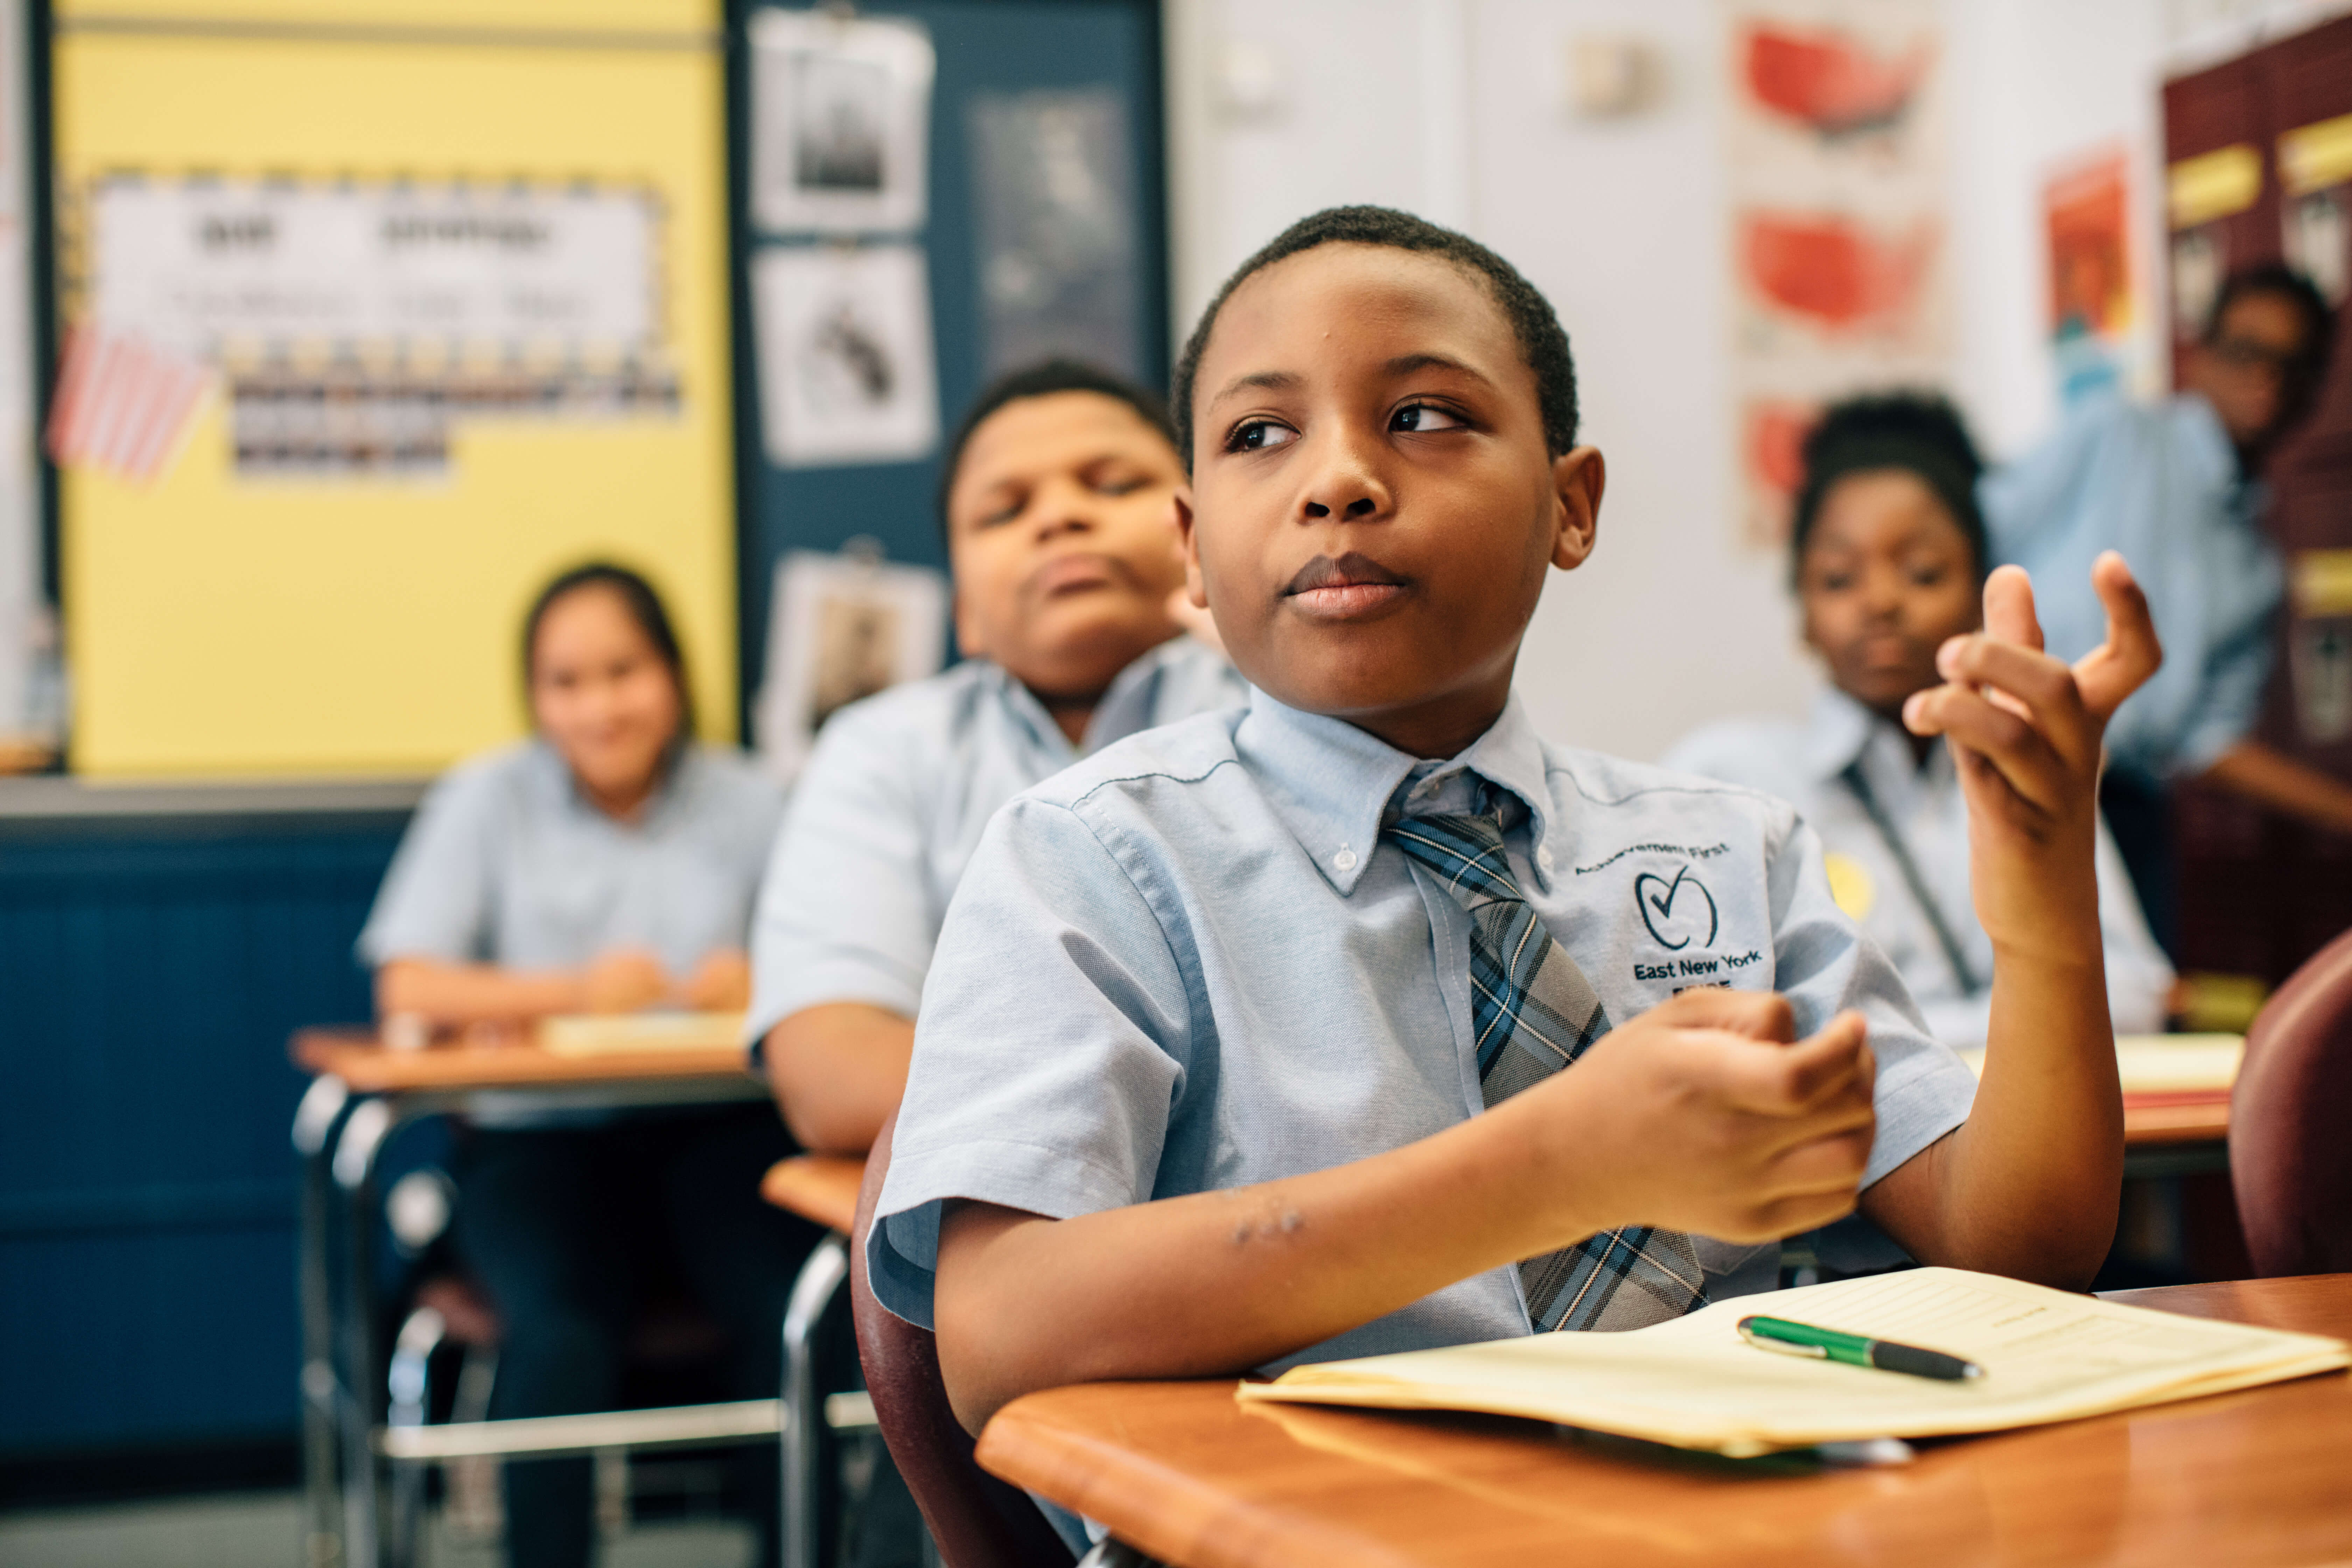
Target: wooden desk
(360, 1094)
(366, 1067)
(2161, 1121)
(820, 1187)
(1187, 1474)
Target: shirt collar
(1125, 708)
(1331, 783)
(675, 780)
(2206, 442)
(1836, 732)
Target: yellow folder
(1693, 1382)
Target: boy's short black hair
(1542, 340)
(1918, 433)
(1043, 379)
(2277, 278)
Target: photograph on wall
(846, 368)
(842, 627)
(353, 324)
(840, 123)
(1054, 183)
(1837, 223)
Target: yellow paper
(1695, 1383)
(597, 1034)
(2166, 1063)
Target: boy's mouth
(1345, 589)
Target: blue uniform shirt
(1804, 764)
(2162, 486)
(1192, 962)
(891, 806)
(507, 863)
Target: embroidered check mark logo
(1674, 927)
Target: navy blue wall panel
(147, 989)
(983, 46)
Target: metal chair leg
(800, 1451)
(409, 1389)
(365, 1134)
(315, 1121)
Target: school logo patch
(1679, 913)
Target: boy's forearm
(472, 992)
(837, 1072)
(2028, 1185)
(1217, 1283)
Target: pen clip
(1818, 1352)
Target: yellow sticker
(2213, 185)
(1851, 884)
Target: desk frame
(339, 1134)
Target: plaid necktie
(1534, 1013)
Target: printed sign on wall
(1838, 261)
(354, 322)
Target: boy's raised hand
(2025, 732)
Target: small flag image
(124, 405)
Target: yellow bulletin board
(222, 624)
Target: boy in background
(1245, 1039)
(1057, 502)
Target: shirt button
(1543, 855)
(1344, 860)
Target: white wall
(1453, 107)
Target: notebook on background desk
(594, 1035)
(1693, 1382)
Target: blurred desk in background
(362, 1093)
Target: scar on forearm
(1263, 1214)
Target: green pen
(1856, 1350)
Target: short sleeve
(846, 912)
(437, 900)
(1825, 964)
(1048, 1053)
(2230, 702)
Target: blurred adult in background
(2176, 486)
(1889, 560)
(606, 864)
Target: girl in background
(606, 864)
(1888, 558)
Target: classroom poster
(840, 123)
(2093, 305)
(1055, 184)
(355, 323)
(846, 366)
(1836, 181)
(843, 627)
(469, 304)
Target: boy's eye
(1257, 435)
(1419, 418)
(1118, 485)
(1927, 576)
(1835, 582)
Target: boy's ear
(1195, 588)
(1578, 477)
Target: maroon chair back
(978, 1521)
(2290, 1157)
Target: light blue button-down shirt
(1192, 962)
(1804, 764)
(891, 806)
(2161, 485)
(507, 863)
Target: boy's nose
(1344, 485)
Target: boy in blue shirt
(1245, 1039)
